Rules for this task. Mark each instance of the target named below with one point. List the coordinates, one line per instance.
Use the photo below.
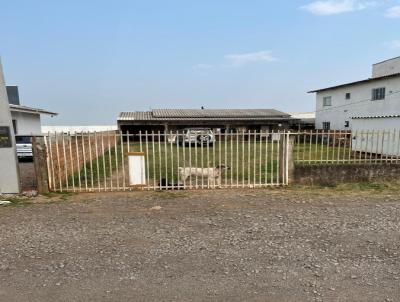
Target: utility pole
(9, 175)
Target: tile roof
(375, 116)
(203, 114)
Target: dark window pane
(326, 125)
(23, 139)
(378, 93)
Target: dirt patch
(27, 175)
(236, 245)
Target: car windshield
(199, 130)
(23, 139)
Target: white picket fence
(89, 162)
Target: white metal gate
(89, 162)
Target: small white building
(26, 120)
(303, 120)
(373, 103)
(376, 135)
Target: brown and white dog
(212, 174)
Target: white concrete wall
(360, 103)
(377, 135)
(9, 174)
(74, 129)
(386, 68)
(27, 123)
(387, 123)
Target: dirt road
(252, 245)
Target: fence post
(286, 159)
(282, 157)
(40, 165)
(290, 158)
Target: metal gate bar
(88, 162)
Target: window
(347, 124)
(14, 126)
(378, 94)
(326, 125)
(327, 101)
(348, 96)
(23, 140)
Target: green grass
(100, 169)
(254, 162)
(57, 196)
(244, 160)
(163, 160)
(19, 201)
(319, 154)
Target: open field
(299, 244)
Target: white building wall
(78, 129)
(386, 68)
(360, 103)
(377, 135)
(9, 176)
(27, 123)
(377, 124)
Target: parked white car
(24, 146)
(200, 136)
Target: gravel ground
(251, 245)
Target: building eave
(26, 109)
(206, 119)
(171, 115)
(375, 116)
(369, 80)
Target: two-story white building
(373, 103)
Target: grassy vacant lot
(250, 162)
(317, 153)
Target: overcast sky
(89, 60)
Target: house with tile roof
(225, 120)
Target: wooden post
(40, 164)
